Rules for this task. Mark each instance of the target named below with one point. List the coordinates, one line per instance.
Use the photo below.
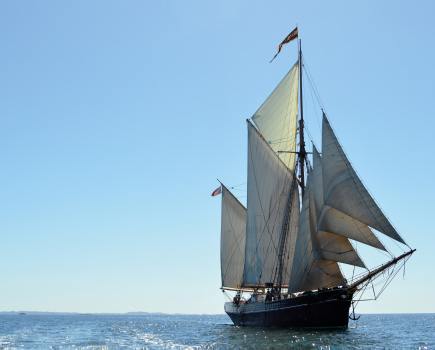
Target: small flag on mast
(293, 35)
(217, 191)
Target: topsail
(276, 119)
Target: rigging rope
(391, 274)
(312, 84)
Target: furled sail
(332, 220)
(233, 231)
(310, 269)
(276, 118)
(269, 190)
(344, 191)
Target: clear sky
(116, 118)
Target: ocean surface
(155, 331)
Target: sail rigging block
(233, 233)
(343, 190)
(276, 119)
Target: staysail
(344, 191)
(331, 245)
(233, 231)
(337, 248)
(332, 220)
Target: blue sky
(116, 118)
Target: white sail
(332, 220)
(276, 118)
(323, 274)
(233, 232)
(338, 248)
(310, 269)
(304, 255)
(269, 189)
(317, 179)
(329, 245)
(343, 190)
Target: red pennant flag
(293, 35)
(217, 191)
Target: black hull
(323, 309)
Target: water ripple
(92, 332)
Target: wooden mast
(302, 153)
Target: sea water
(156, 331)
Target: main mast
(302, 153)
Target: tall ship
(285, 255)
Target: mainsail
(269, 190)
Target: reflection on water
(415, 331)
